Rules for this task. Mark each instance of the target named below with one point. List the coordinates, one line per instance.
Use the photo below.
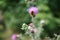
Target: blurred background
(13, 13)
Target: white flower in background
(42, 21)
(58, 37)
(55, 35)
(29, 27)
(24, 26)
(18, 35)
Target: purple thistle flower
(33, 9)
(14, 37)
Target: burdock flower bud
(32, 11)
